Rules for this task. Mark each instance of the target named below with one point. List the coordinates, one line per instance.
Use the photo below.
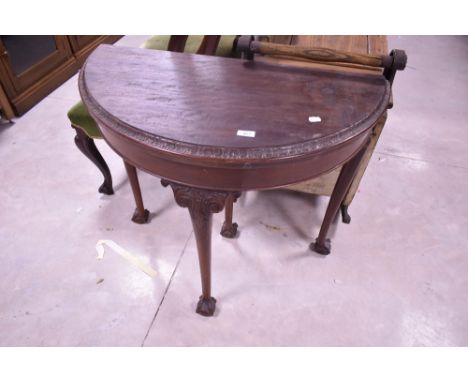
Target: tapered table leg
(140, 215)
(229, 228)
(202, 204)
(322, 244)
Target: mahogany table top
(211, 107)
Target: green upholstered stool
(87, 129)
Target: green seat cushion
(225, 47)
(193, 43)
(79, 116)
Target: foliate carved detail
(204, 201)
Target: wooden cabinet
(82, 46)
(33, 66)
(80, 42)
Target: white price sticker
(246, 133)
(314, 119)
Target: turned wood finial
(395, 61)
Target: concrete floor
(397, 275)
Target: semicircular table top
(213, 127)
(227, 108)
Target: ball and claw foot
(323, 249)
(345, 218)
(140, 219)
(106, 189)
(229, 230)
(206, 306)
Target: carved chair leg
(140, 215)
(322, 245)
(229, 229)
(345, 217)
(201, 205)
(86, 145)
(209, 45)
(177, 43)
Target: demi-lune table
(213, 127)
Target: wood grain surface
(326, 55)
(196, 104)
(373, 44)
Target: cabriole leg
(86, 145)
(202, 204)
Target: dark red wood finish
(178, 116)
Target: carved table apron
(212, 127)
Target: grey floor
(397, 276)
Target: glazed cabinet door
(26, 59)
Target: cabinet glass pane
(25, 51)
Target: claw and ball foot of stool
(86, 145)
(140, 216)
(229, 229)
(322, 244)
(202, 204)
